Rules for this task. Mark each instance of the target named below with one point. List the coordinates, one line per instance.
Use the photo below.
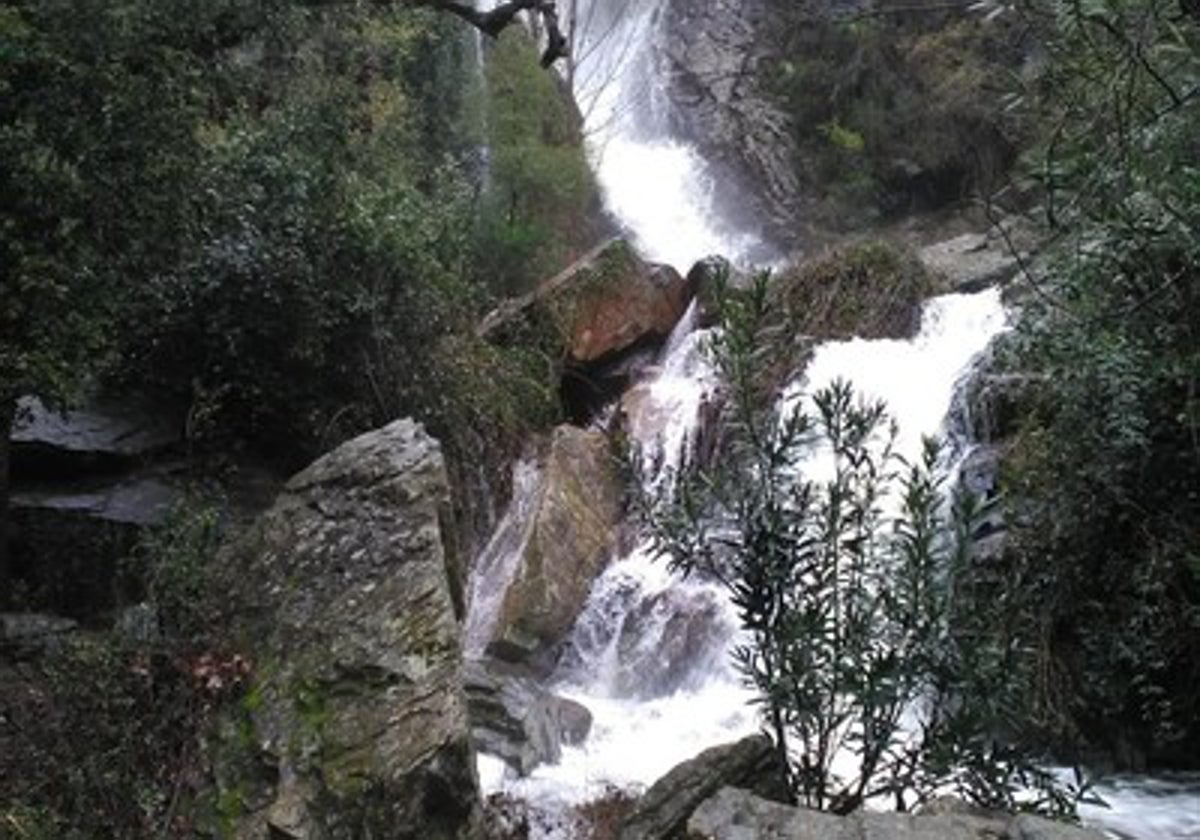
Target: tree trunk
(8, 411)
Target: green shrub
(856, 648)
(172, 566)
(540, 207)
(1103, 475)
(113, 729)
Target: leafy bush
(870, 684)
(870, 289)
(540, 206)
(171, 567)
(112, 729)
(1104, 473)
(896, 107)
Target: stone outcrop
(569, 539)
(95, 476)
(715, 54)
(663, 811)
(604, 317)
(357, 714)
(31, 634)
(101, 436)
(734, 814)
(601, 305)
(971, 262)
(516, 719)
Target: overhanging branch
(495, 20)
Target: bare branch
(495, 20)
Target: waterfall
(649, 656)
(658, 186)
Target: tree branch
(495, 20)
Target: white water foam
(917, 379)
(1147, 808)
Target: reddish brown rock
(605, 303)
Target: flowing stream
(649, 656)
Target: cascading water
(649, 656)
(657, 185)
(496, 564)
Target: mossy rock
(870, 290)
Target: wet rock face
(669, 642)
(645, 642)
(605, 317)
(514, 718)
(619, 301)
(605, 303)
(714, 52)
(570, 540)
(734, 814)
(345, 595)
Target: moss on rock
(870, 289)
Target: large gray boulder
(734, 814)
(358, 710)
(663, 811)
(515, 718)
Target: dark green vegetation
(541, 207)
(104, 730)
(274, 217)
(1094, 106)
(846, 587)
(897, 106)
(1104, 473)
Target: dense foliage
(844, 568)
(272, 216)
(258, 207)
(896, 107)
(104, 730)
(1105, 474)
(540, 203)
